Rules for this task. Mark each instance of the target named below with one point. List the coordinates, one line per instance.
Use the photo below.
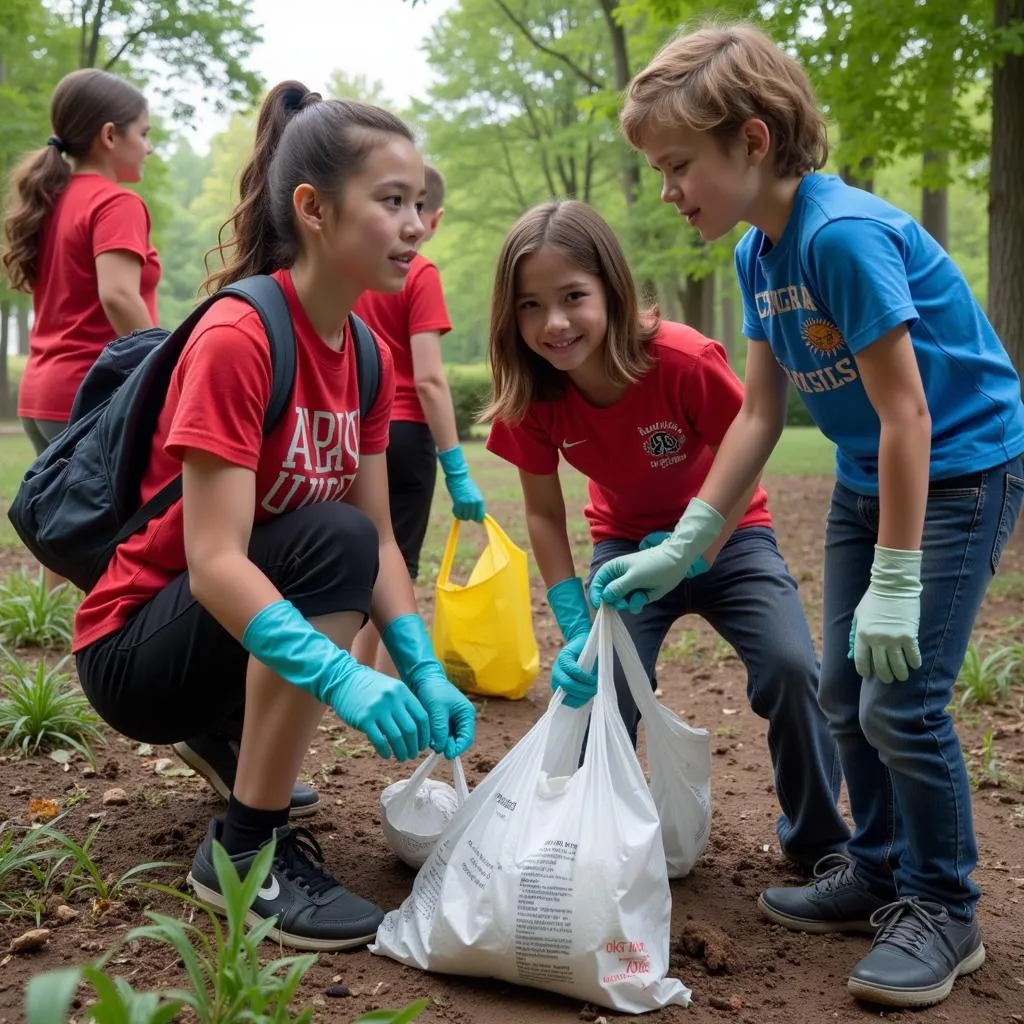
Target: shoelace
(300, 855)
(832, 872)
(907, 923)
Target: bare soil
(738, 965)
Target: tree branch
(129, 39)
(580, 73)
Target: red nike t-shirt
(647, 455)
(215, 403)
(395, 317)
(92, 215)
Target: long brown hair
(81, 105)
(518, 375)
(300, 139)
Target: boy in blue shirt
(852, 302)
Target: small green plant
(43, 710)
(227, 983)
(28, 868)
(85, 876)
(987, 680)
(682, 648)
(32, 614)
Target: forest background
(925, 100)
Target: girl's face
(129, 147)
(561, 311)
(372, 236)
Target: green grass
(803, 451)
(15, 456)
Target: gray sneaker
(918, 953)
(313, 910)
(216, 759)
(836, 901)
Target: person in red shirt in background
(223, 625)
(423, 432)
(79, 242)
(638, 405)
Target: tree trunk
(21, 320)
(1006, 197)
(5, 387)
(699, 303)
(935, 203)
(863, 177)
(727, 335)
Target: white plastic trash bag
(550, 875)
(679, 759)
(415, 811)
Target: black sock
(247, 828)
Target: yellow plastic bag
(483, 630)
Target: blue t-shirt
(848, 268)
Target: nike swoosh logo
(271, 890)
(572, 444)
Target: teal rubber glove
(452, 716)
(883, 636)
(632, 581)
(467, 501)
(652, 540)
(569, 604)
(382, 708)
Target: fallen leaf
(178, 773)
(64, 913)
(144, 749)
(42, 809)
(60, 756)
(115, 798)
(730, 711)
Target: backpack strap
(267, 297)
(368, 365)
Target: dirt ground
(738, 965)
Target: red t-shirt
(215, 403)
(419, 307)
(92, 215)
(647, 455)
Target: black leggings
(173, 672)
(412, 473)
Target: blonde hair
(518, 375)
(718, 77)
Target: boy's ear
(435, 219)
(757, 139)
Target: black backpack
(81, 497)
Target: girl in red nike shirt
(79, 242)
(224, 625)
(639, 405)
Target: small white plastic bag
(679, 759)
(550, 875)
(415, 811)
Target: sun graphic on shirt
(822, 335)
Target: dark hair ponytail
(300, 139)
(81, 105)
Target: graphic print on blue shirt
(849, 268)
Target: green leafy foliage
(32, 614)
(42, 710)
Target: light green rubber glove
(632, 581)
(883, 636)
(652, 540)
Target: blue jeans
(751, 599)
(905, 773)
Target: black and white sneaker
(313, 910)
(216, 759)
